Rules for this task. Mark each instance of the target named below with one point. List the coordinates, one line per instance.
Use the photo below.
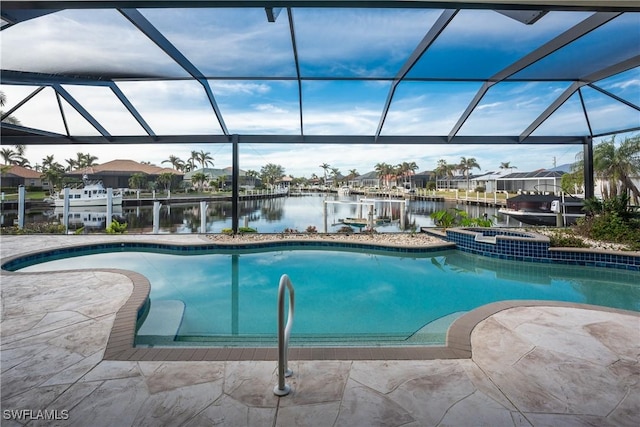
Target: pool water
(342, 297)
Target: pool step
(425, 338)
(162, 322)
(436, 328)
(160, 329)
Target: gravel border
(388, 239)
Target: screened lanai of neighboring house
(310, 72)
(544, 181)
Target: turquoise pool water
(343, 297)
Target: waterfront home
(116, 173)
(15, 176)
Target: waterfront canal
(269, 215)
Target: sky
(303, 161)
(251, 71)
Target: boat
(543, 209)
(88, 216)
(344, 191)
(363, 222)
(91, 193)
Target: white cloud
(225, 88)
(83, 42)
(270, 108)
(488, 106)
(628, 84)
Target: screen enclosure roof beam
(137, 19)
(590, 5)
(572, 34)
(13, 134)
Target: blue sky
(242, 49)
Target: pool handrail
(284, 332)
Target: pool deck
(532, 365)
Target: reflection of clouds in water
(377, 292)
(271, 258)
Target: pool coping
(120, 344)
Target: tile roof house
(116, 173)
(15, 175)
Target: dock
(465, 198)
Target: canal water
(275, 215)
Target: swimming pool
(344, 297)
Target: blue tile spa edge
(532, 247)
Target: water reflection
(597, 286)
(271, 215)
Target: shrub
(311, 229)
(116, 228)
(610, 220)
(241, 230)
(37, 228)
(345, 229)
(457, 217)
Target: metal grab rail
(284, 332)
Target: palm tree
(48, 163)
(52, 172)
(192, 160)
(617, 166)
(466, 165)
(9, 156)
(176, 162)
(204, 159)
(253, 174)
(86, 160)
(137, 180)
(82, 160)
(406, 169)
(199, 179)
(507, 165)
(72, 164)
(10, 119)
(396, 173)
(186, 167)
(325, 167)
(165, 179)
(383, 170)
(20, 149)
(53, 176)
(24, 162)
(334, 175)
(440, 170)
